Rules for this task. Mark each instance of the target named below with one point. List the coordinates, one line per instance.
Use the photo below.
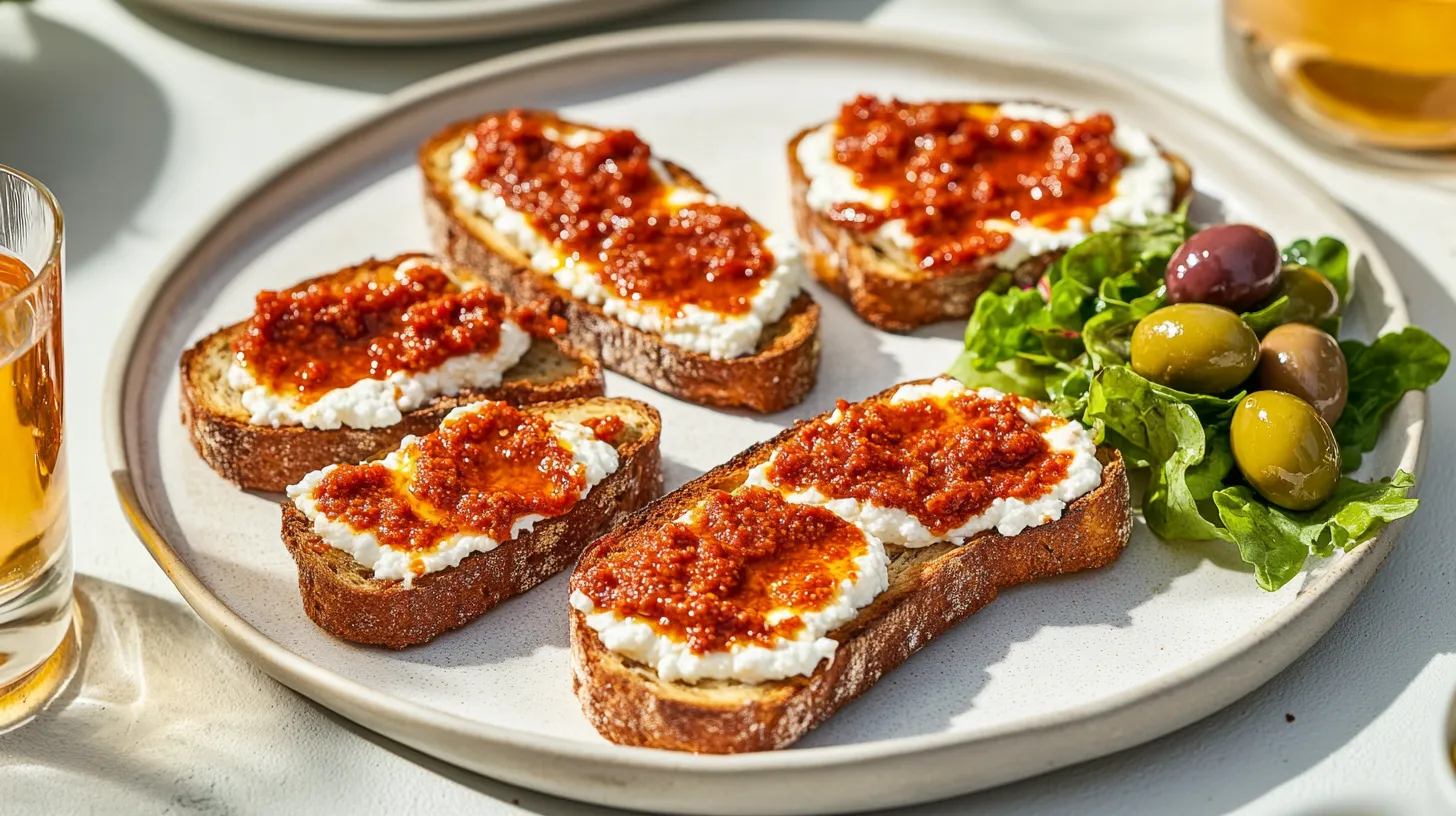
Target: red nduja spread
(310, 339)
(712, 582)
(606, 428)
(477, 474)
(950, 167)
(941, 462)
(605, 202)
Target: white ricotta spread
(717, 335)
(1006, 516)
(594, 459)
(674, 661)
(380, 403)
(1143, 188)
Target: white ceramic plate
(401, 21)
(1050, 674)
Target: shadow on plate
(519, 627)
(382, 69)
(100, 157)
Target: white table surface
(142, 124)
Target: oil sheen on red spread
(308, 340)
(941, 462)
(712, 583)
(951, 167)
(605, 202)
(477, 474)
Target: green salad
(1209, 360)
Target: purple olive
(1235, 266)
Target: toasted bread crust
(778, 375)
(931, 590)
(890, 295)
(261, 457)
(343, 598)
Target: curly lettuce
(1380, 374)
(1277, 541)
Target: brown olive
(1195, 347)
(1231, 265)
(1285, 449)
(1312, 297)
(1304, 361)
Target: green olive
(1304, 361)
(1195, 347)
(1312, 297)
(1285, 449)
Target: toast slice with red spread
(888, 285)
(775, 374)
(267, 457)
(346, 599)
(927, 591)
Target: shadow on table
(381, 69)
(82, 119)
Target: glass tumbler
(1359, 73)
(35, 551)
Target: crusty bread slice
(345, 600)
(261, 457)
(889, 291)
(778, 375)
(931, 590)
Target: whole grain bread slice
(777, 375)
(887, 289)
(345, 600)
(262, 457)
(931, 589)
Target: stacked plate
(401, 21)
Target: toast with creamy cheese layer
(778, 374)
(931, 589)
(263, 457)
(345, 600)
(885, 286)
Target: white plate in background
(401, 21)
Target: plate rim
(1329, 594)
(412, 22)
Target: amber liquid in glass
(33, 517)
(1380, 72)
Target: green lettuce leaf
(1207, 477)
(1166, 434)
(1067, 389)
(1015, 376)
(1000, 331)
(1134, 255)
(1266, 319)
(1277, 541)
(1380, 374)
(1108, 334)
(1000, 325)
(1328, 256)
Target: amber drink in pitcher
(35, 555)
(1371, 72)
